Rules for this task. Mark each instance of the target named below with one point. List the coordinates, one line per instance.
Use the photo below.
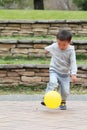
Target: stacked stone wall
(33, 75)
(41, 27)
(36, 74)
(33, 47)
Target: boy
(62, 66)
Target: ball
(52, 99)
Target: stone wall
(33, 47)
(36, 74)
(33, 75)
(41, 27)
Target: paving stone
(31, 115)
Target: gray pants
(56, 79)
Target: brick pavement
(30, 115)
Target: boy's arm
(73, 67)
(49, 49)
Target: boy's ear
(69, 41)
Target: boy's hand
(73, 78)
(46, 53)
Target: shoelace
(63, 103)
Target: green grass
(41, 37)
(45, 37)
(23, 60)
(21, 89)
(42, 15)
(77, 89)
(79, 38)
(81, 60)
(81, 56)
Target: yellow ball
(52, 99)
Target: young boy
(62, 66)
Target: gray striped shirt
(62, 61)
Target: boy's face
(63, 45)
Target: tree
(3, 2)
(82, 4)
(39, 4)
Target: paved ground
(16, 97)
(25, 113)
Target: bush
(82, 4)
(3, 2)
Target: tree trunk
(38, 4)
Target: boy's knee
(52, 84)
(66, 93)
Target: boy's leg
(53, 83)
(64, 89)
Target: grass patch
(79, 38)
(42, 15)
(21, 89)
(41, 37)
(81, 56)
(77, 89)
(45, 37)
(81, 60)
(24, 60)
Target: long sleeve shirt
(62, 61)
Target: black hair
(64, 35)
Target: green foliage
(24, 59)
(40, 37)
(78, 89)
(3, 2)
(81, 60)
(81, 56)
(22, 89)
(82, 4)
(38, 89)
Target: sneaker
(42, 103)
(63, 105)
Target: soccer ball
(52, 99)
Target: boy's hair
(64, 35)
